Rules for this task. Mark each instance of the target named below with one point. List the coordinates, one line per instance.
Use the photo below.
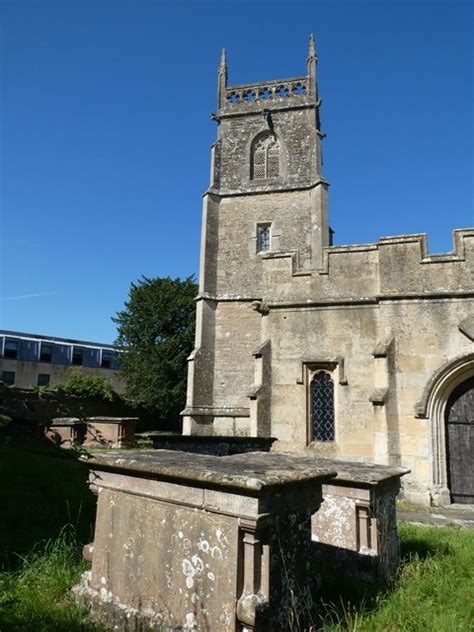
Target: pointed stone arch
(265, 156)
(432, 406)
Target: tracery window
(322, 407)
(265, 159)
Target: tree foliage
(156, 335)
(79, 384)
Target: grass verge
(434, 589)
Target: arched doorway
(433, 405)
(459, 417)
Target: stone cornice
(339, 301)
(284, 189)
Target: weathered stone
(215, 445)
(66, 432)
(355, 529)
(92, 432)
(110, 432)
(392, 320)
(193, 542)
(467, 327)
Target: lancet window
(263, 237)
(322, 407)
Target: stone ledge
(210, 411)
(252, 474)
(347, 471)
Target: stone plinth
(216, 445)
(355, 530)
(193, 542)
(110, 432)
(66, 432)
(356, 527)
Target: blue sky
(105, 134)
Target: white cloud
(23, 296)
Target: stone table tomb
(195, 542)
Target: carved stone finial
(223, 64)
(222, 79)
(312, 48)
(312, 61)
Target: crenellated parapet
(406, 269)
(394, 267)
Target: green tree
(85, 386)
(156, 334)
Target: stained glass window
(322, 407)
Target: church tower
(267, 197)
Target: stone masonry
(345, 352)
(195, 542)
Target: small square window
(8, 377)
(263, 237)
(77, 356)
(11, 349)
(46, 353)
(43, 379)
(106, 359)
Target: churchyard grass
(48, 513)
(434, 589)
(42, 489)
(35, 596)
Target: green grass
(43, 489)
(433, 591)
(47, 514)
(35, 596)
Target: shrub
(78, 384)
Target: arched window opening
(322, 407)
(265, 159)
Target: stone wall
(376, 415)
(389, 332)
(384, 320)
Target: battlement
(393, 268)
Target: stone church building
(360, 353)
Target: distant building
(28, 360)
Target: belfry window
(265, 159)
(263, 237)
(322, 407)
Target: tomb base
(193, 542)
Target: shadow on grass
(344, 598)
(422, 547)
(42, 489)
